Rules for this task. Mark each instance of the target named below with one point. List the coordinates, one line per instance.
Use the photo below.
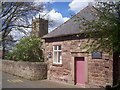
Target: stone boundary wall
(28, 70)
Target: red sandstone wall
(99, 70)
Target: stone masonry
(28, 70)
(39, 27)
(98, 71)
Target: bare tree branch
(16, 16)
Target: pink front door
(80, 70)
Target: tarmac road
(10, 81)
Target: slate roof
(71, 26)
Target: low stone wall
(28, 70)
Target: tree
(28, 49)
(105, 31)
(16, 16)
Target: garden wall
(28, 70)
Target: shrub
(28, 49)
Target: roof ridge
(70, 18)
(79, 14)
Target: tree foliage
(17, 16)
(28, 49)
(105, 29)
(104, 33)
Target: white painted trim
(57, 51)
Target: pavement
(10, 81)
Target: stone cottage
(68, 62)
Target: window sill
(55, 64)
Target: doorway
(79, 70)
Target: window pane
(55, 57)
(59, 57)
(55, 47)
(59, 47)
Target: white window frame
(54, 61)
